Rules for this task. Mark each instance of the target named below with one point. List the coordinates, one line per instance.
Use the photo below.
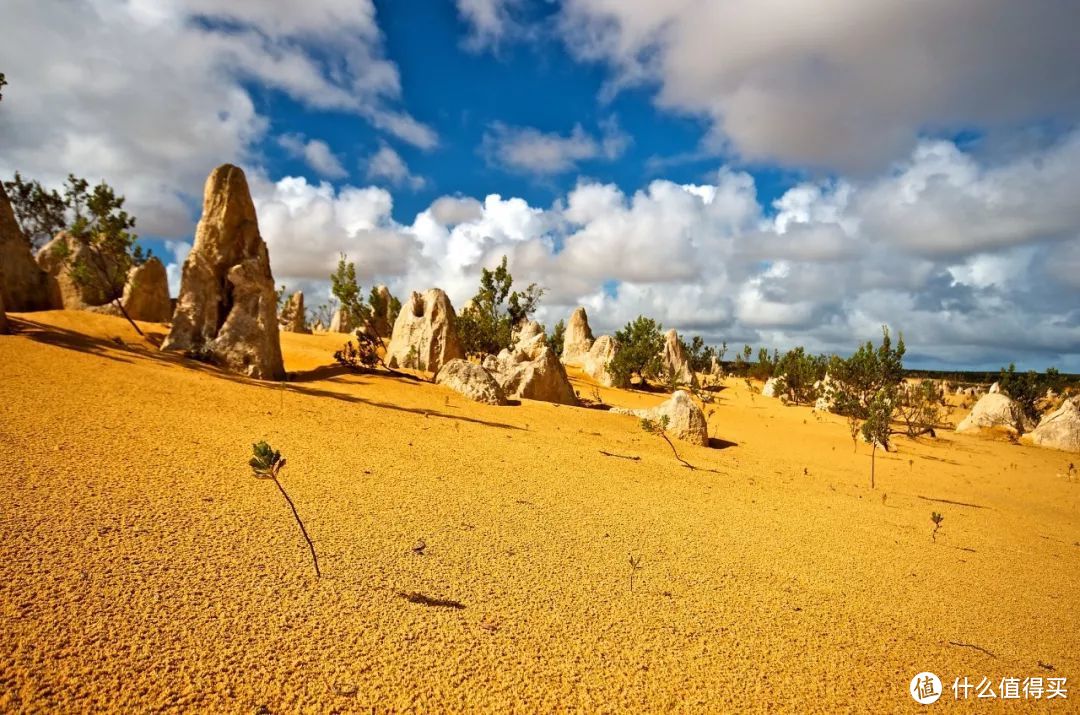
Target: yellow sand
(143, 567)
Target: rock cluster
(686, 421)
(993, 410)
(531, 369)
(472, 381)
(1059, 429)
(425, 333)
(227, 305)
(578, 339)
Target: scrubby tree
(40, 213)
(700, 354)
(918, 407)
(379, 306)
(858, 379)
(640, 344)
(877, 428)
(797, 372)
(558, 337)
(346, 289)
(486, 325)
(1024, 389)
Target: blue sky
(775, 173)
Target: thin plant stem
(314, 557)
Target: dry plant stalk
(267, 463)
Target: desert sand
(142, 567)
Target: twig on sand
(974, 647)
(620, 456)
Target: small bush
(640, 344)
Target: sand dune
(143, 567)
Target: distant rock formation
(471, 380)
(578, 338)
(769, 389)
(993, 410)
(146, 294)
(340, 323)
(674, 360)
(595, 362)
(1060, 429)
(381, 319)
(228, 304)
(425, 333)
(686, 421)
(23, 287)
(292, 319)
(531, 369)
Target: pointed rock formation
(471, 380)
(23, 287)
(146, 294)
(578, 339)
(769, 388)
(228, 304)
(685, 419)
(1060, 429)
(993, 410)
(595, 362)
(340, 323)
(381, 318)
(425, 333)
(675, 361)
(531, 370)
(292, 314)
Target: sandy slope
(142, 567)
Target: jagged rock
(595, 363)
(471, 380)
(769, 389)
(675, 361)
(292, 319)
(24, 286)
(146, 294)
(63, 291)
(578, 338)
(425, 333)
(1060, 429)
(685, 419)
(340, 323)
(228, 305)
(531, 369)
(993, 411)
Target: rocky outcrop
(228, 305)
(595, 362)
(425, 333)
(146, 294)
(23, 287)
(55, 259)
(382, 319)
(686, 421)
(340, 323)
(471, 380)
(1060, 429)
(769, 389)
(292, 319)
(531, 370)
(578, 338)
(994, 411)
(674, 360)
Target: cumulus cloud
(843, 84)
(386, 165)
(824, 266)
(152, 94)
(316, 153)
(530, 151)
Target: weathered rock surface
(531, 369)
(425, 333)
(993, 410)
(471, 380)
(578, 338)
(146, 294)
(340, 323)
(1060, 429)
(228, 304)
(380, 316)
(994, 389)
(675, 361)
(292, 319)
(686, 421)
(769, 388)
(23, 287)
(63, 291)
(595, 363)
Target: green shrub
(640, 344)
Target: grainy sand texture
(143, 568)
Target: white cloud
(528, 150)
(489, 21)
(386, 165)
(316, 153)
(844, 84)
(151, 94)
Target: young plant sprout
(937, 519)
(659, 427)
(267, 464)
(635, 566)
